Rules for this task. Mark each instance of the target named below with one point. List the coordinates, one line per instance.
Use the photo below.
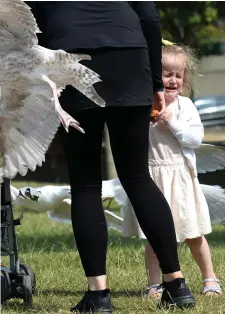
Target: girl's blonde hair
(191, 63)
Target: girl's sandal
(155, 292)
(214, 288)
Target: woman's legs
(129, 131)
(83, 152)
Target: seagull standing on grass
(31, 80)
(56, 201)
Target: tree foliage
(190, 22)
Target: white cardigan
(186, 126)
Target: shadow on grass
(80, 293)
(62, 293)
(128, 293)
(18, 307)
(64, 241)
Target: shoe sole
(182, 303)
(92, 311)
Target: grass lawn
(49, 248)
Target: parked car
(212, 113)
(211, 109)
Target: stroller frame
(17, 280)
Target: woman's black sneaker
(94, 301)
(176, 293)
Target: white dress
(170, 171)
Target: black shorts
(126, 79)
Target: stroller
(17, 280)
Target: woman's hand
(159, 103)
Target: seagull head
(64, 192)
(29, 193)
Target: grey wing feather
(17, 19)
(210, 158)
(215, 197)
(65, 69)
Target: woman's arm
(149, 18)
(189, 132)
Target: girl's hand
(166, 115)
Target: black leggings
(128, 130)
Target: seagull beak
(29, 194)
(22, 194)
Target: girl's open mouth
(171, 90)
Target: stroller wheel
(28, 296)
(27, 270)
(5, 286)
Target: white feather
(14, 193)
(62, 212)
(31, 77)
(215, 197)
(113, 221)
(113, 189)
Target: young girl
(172, 141)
